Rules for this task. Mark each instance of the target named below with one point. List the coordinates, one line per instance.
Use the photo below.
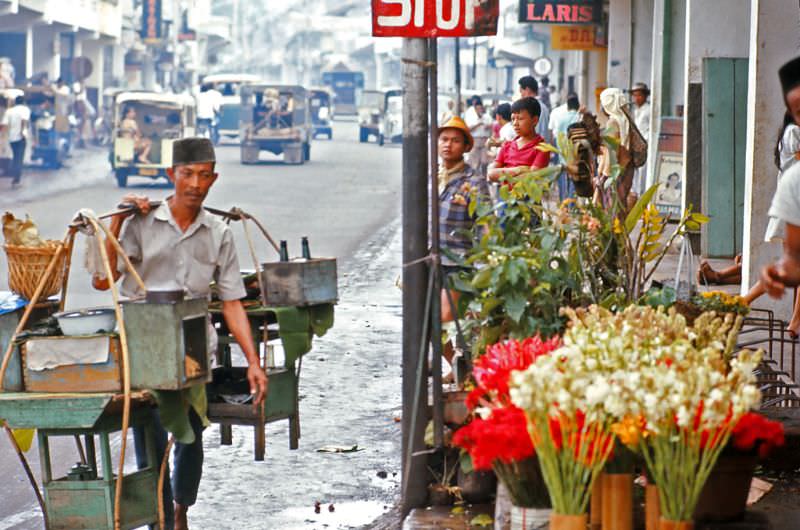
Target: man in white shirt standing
(209, 103)
(641, 115)
(480, 125)
(15, 123)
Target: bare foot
(794, 327)
(707, 275)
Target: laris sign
(561, 11)
(434, 18)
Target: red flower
(492, 370)
(755, 430)
(502, 436)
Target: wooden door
(724, 133)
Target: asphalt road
(346, 200)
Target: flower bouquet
(563, 399)
(498, 437)
(675, 391)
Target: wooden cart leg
(44, 458)
(225, 434)
(260, 441)
(294, 431)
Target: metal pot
(164, 297)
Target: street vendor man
(459, 184)
(179, 244)
(786, 203)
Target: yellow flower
(617, 226)
(629, 430)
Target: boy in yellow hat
(459, 184)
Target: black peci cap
(192, 151)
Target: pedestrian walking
(479, 123)
(209, 105)
(560, 119)
(612, 103)
(529, 88)
(15, 125)
(640, 94)
(164, 244)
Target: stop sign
(434, 18)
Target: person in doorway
(459, 185)
(209, 105)
(640, 94)
(164, 245)
(560, 119)
(15, 124)
(521, 155)
(480, 125)
(529, 88)
(612, 102)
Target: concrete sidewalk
(84, 167)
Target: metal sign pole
(436, 306)
(415, 271)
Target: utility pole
(415, 271)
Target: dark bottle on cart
(284, 251)
(304, 245)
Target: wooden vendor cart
(288, 302)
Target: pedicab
(145, 126)
(321, 111)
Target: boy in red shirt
(521, 154)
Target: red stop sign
(434, 18)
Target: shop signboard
(561, 11)
(573, 38)
(151, 21)
(434, 18)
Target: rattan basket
(27, 265)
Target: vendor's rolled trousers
(187, 464)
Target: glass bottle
(284, 251)
(304, 245)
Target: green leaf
(489, 304)
(482, 278)
(515, 306)
(638, 209)
(700, 218)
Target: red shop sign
(434, 18)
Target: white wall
(774, 40)
(717, 28)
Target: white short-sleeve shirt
(786, 203)
(168, 258)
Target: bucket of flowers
(724, 496)
(498, 439)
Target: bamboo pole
(28, 472)
(126, 376)
(161, 478)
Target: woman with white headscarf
(612, 102)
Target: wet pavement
(350, 383)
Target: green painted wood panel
(724, 133)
